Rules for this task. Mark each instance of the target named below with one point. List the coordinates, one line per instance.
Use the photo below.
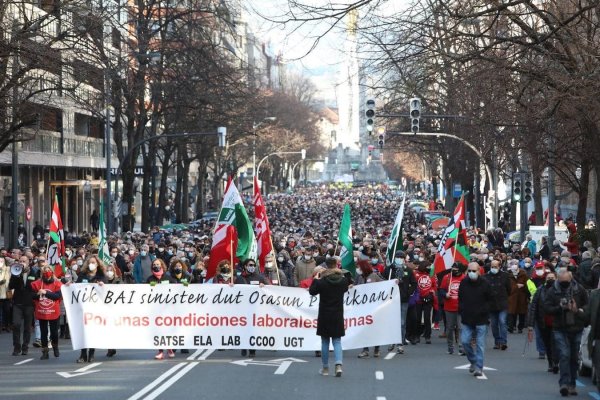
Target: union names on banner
(223, 317)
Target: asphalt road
(423, 372)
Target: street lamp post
(278, 153)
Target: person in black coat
(407, 285)
(330, 286)
(536, 316)
(22, 308)
(501, 288)
(474, 299)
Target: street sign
(456, 190)
(282, 364)
(28, 213)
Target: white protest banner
(222, 317)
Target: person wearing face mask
(501, 288)
(366, 274)
(565, 301)
(23, 308)
(427, 286)
(518, 299)
(199, 272)
(592, 316)
(305, 267)
(158, 275)
(142, 265)
(5, 303)
(92, 271)
(407, 285)
(119, 259)
(47, 297)
(449, 290)
(474, 299)
(540, 322)
(250, 276)
(179, 272)
(274, 275)
(285, 264)
(112, 278)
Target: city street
(424, 371)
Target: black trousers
(53, 324)
(22, 318)
(424, 314)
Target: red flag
(223, 250)
(261, 227)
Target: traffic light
(528, 190)
(517, 187)
(370, 114)
(381, 132)
(415, 114)
(491, 200)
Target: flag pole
(231, 257)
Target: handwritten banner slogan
(223, 317)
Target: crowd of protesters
(539, 289)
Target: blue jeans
(499, 329)
(539, 342)
(403, 316)
(466, 334)
(567, 346)
(337, 350)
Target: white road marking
(466, 366)
(195, 354)
(80, 371)
(24, 361)
(379, 375)
(482, 376)
(380, 398)
(207, 354)
(157, 381)
(171, 381)
(390, 355)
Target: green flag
(395, 241)
(103, 251)
(345, 238)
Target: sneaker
(252, 353)
(400, 350)
(185, 351)
(363, 354)
(461, 352)
(317, 353)
(37, 343)
(427, 340)
(376, 353)
(472, 368)
(16, 350)
(564, 390)
(338, 370)
(503, 347)
(160, 355)
(496, 347)
(477, 372)
(391, 347)
(24, 350)
(436, 326)
(572, 391)
(170, 353)
(555, 369)
(324, 371)
(244, 353)
(450, 350)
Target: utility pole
(551, 187)
(108, 153)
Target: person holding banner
(92, 271)
(47, 297)
(250, 276)
(330, 286)
(366, 274)
(159, 276)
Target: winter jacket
(536, 314)
(584, 274)
(566, 320)
(474, 299)
(304, 269)
(592, 313)
(331, 288)
(518, 300)
(23, 293)
(406, 281)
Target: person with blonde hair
(47, 299)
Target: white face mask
(131, 252)
(307, 257)
(92, 266)
(473, 275)
(421, 259)
(398, 261)
(280, 259)
(269, 265)
(161, 249)
(110, 275)
(113, 255)
(358, 272)
(315, 254)
(539, 272)
(80, 262)
(250, 269)
(527, 265)
(514, 268)
(143, 253)
(494, 270)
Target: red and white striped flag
(56, 250)
(262, 231)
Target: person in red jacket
(449, 289)
(427, 286)
(47, 308)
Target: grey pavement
(423, 372)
